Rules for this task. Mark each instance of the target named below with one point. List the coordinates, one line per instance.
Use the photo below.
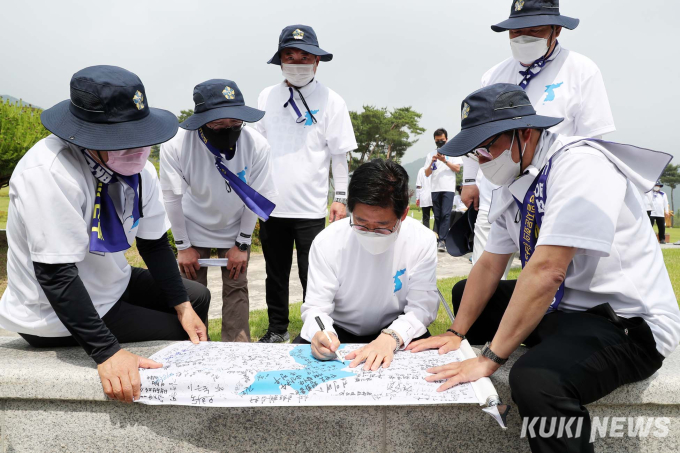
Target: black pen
(323, 329)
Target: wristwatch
(340, 200)
(489, 354)
(394, 335)
(241, 247)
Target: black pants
(348, 337)
(278, 235)
(141, 314)
(442, 204)
(573, 360)
(426, 216)
(661, 225)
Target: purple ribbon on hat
(250, 197)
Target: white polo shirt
(301, 152)
(363, 293)
(659, 204)
(424, 194)
(52, 193)
(443, 179)
(570, 87)
(593, 206)
(213, 212)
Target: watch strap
(394, 335)
(489, 354)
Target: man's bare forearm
(536, 287)
(480, 286)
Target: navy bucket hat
(491, 110)
(218, 99)
(109, 111)
(535, 13)
(300, 37)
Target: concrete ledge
(51, 400)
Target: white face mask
(657, 188)
(502, 170)
(298, 75)
(527, 49)
(375, 243)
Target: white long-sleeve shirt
(660, 204)
(364, 293)
(423, 190)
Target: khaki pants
(235, 303)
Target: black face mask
(440, 143)
(222, 139)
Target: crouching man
(372, 276)
(594, 301)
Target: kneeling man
(594, 301)
(372, 276)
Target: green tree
(20, 129)
(184, 114)
(671, 178)
(384, 134)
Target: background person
(459, 207)
(309, 130)
(78, 199)
(211, 207)
(424, 196)
(660, 208)
(559, 83)
(441, 170)
(372, 277)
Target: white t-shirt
(424, 193)
(659, 204)
(52, 193)
(649, 203)
(570, 87)
(213, 213)
(443, 179)
(363, 293)
(592, 206)
(301, 152)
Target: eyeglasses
(382, 231)
(483, 151)
(236, 127)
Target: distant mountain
(412, 170)
(14, 100)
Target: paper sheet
(248, 374)
(207, 262)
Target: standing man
(78, 199)
(594, 302)
(559, 83)
(216, 180)
(660, 208)
(424, 196)
(309, 130)
(441, 170)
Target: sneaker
(273, 337)
(663, 242)
(442, 246)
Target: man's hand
(188, 262)
(191, 323)
(459, 372)
(321, 348)
(337, 212)
(440, 157)
(418, 203)
(120, 375)
(237, 262)
(470, 195)
(378, 352)
(445, 342)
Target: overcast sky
(426, 54)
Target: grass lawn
(4, 205)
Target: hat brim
(468, 139)
(240, 112)
(325, 56)
(515, 23)
(159, 126)
(458, 241)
